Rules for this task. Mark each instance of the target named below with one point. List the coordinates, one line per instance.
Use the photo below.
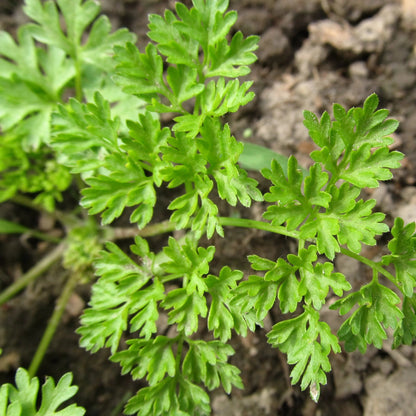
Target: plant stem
(119, 233)
(43, 236)
(178, 357)
(78, 80)
(118, 410)
(53, 323)
(62, 217)
(260, 225)
(370, 263)
(33, 273)
(167, 226)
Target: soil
(312, 53)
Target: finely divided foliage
(22, 399)
(124, 153)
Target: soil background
(312, 53)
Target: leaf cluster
(132, 296)
(184, 72)
(324, 204)
(65, 50)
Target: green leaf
(255, 295)
(122, 291)
(315, 283)
(85, 134)
(307, 342)
(193, 399)
(125, 186)
(23, 399)
(376, 311)
(403, 255)
(314, 182)
(361, 225)
(186, 162)
(219, 98)
(206, 22)
(160, 399)
(188, 123)
(324, 228)
(190, 263)
(48, 28)
(183, 82)
(291, 205)
(255, 157)
(153, 359)
(177, 47)
(97, 51)
(316, 279)
(366, 168)
(319, 130)
(78, 15)
(30, 88)
(138, 73)
(206, 362)
(280, 276)
(295, 205)
(232, 60)
(405, 333)
(371, 125)
(239, 187)
(222, 316)
(186, 309)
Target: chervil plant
(190, 71)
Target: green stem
(167, 226)
(372, 264)
(259, 225)
(375, 276)
(53, 323)
(62, 217)
(151, 230)
(33, 273)
(78, 79)
(118, 410)
(178, 357)
(44, 237)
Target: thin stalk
(260, 225)
(53, 323)
(118, 410)
(27, 202)
(375, 266)
(78, 79)
(33, 273)
(62, 217)
(167, 226)
(118, 233)
(178, 357)
(44, 237)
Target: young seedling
(191, 69)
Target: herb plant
(191, 70)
